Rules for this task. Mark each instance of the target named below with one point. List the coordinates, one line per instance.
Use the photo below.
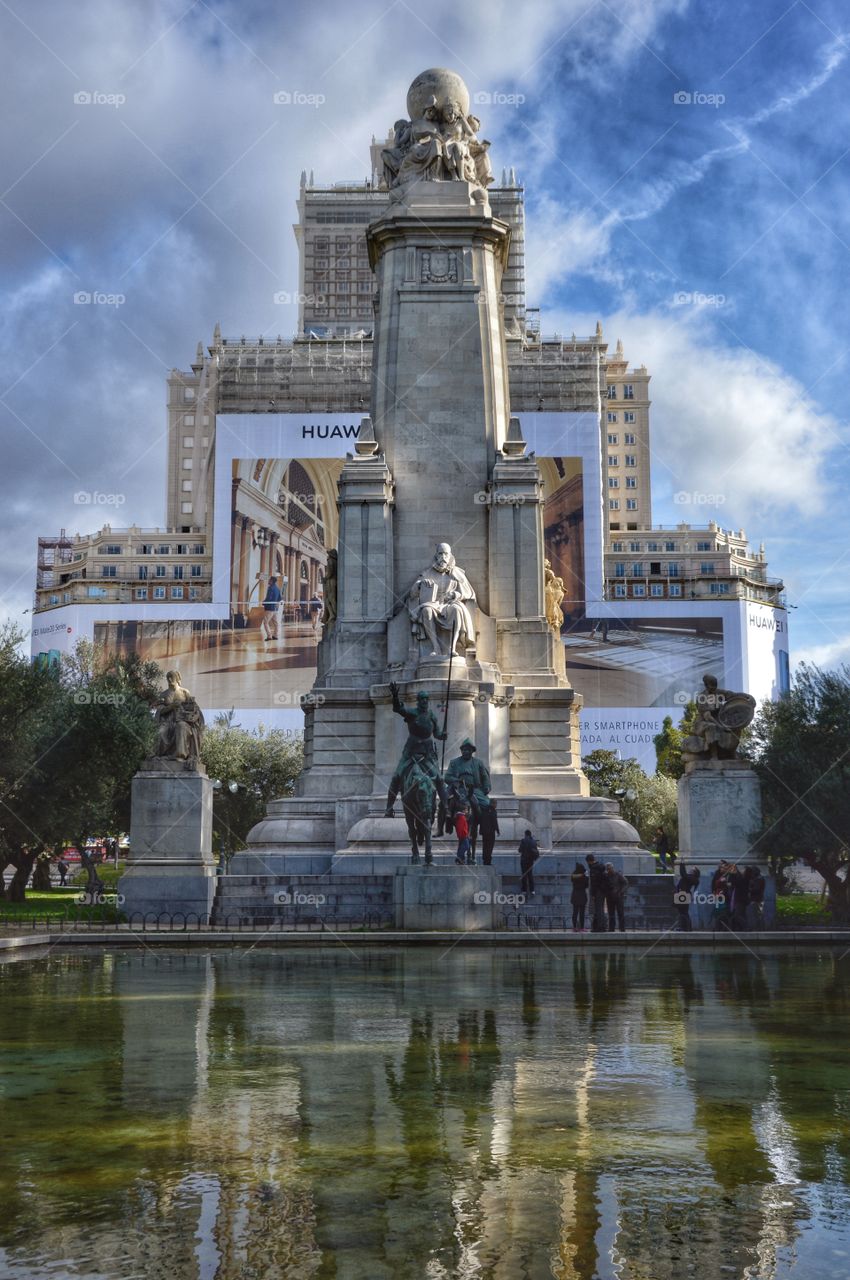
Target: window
(631, 482)
(197, 549)
(612, 417)
(342, 286)
(635, 546)
(612, 525)
(613, 504)
(617, 546)
(631, 504)
(161, 570)
(177, 571)
(188, 419)
(613, 460)
(142, 572)
(193, 593)
(669, 546)
(613, 439)
(197, 570)
(159, 593)
(188, 442)
(652, 546)
(188, 393)
(630, 438)
(204, 441)
(613, 482)
(673, 570)
(628, 391)
(612, 393)
(187, 464)
(675, 588)
(186, 486)
(164, 549)
(631, 460)
(637, 570)
(176, 593)
(619, 589)
(109, 571)
(638, 589)
(186, 508)
(706, 567)
(146, 548)
(111, 549)
(141, 593)
(704, 546)
(54, 599)
(656, 589)
(629, 416)
(182, 548)
(619, 570)
(655, 567)
(719, 588)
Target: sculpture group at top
(440, 141)
(721, 717)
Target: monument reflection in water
(391, 1114)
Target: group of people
(272, 608)
(598, 894)
(736, 896)
(467, 827)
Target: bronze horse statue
(417, 801)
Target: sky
(687, 176)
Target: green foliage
(801, 908)
(647, 802)
(800, 748)
(262, 763)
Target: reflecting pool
(384, 1114)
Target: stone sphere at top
(436, 82)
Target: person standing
(755, 906)
(528, 855)
(578, 897)
(62, 868)
(740, 884)
(488, 825)
(315, 612)
(682, 899)
(662, 847)
(271, 604)
(615, 898)
(464, 844)
(596, 874)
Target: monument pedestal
(719, 803)
(465, 899)
(170, 867)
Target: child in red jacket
(464, 844)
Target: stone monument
(170, 865)
(441, 478)
(719, 795)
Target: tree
(668, 743)
(800, 748)
(645, 802)
(252, 768)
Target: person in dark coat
(596, 874)
(682, 899)
(578, 897)
(662, 847)
(755, 906)
(528, 855)
(488, 825)
(615, 898)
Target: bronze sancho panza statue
(721, 718)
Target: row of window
(155, 549)
(672, 569)
(627, 393)
(628, 438)
(673, 589)
(629, 460)
(614, 482)
(143, 572)
(614, 504)
(628, 416)
(660, 546)
(141, 593)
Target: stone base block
(177, 888)
(456, 898)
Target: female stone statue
(180, 721)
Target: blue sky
(686, 169)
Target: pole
(448, 691)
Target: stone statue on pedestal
(721, 717)
(439, 143)
(330, 590)
(553, 590)
(417, 775)
(439, 604)
(181, 723)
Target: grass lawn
(802, 909)
(62, 902)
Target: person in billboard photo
(270, 625)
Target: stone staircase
(349, 901)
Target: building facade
(688, 562)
